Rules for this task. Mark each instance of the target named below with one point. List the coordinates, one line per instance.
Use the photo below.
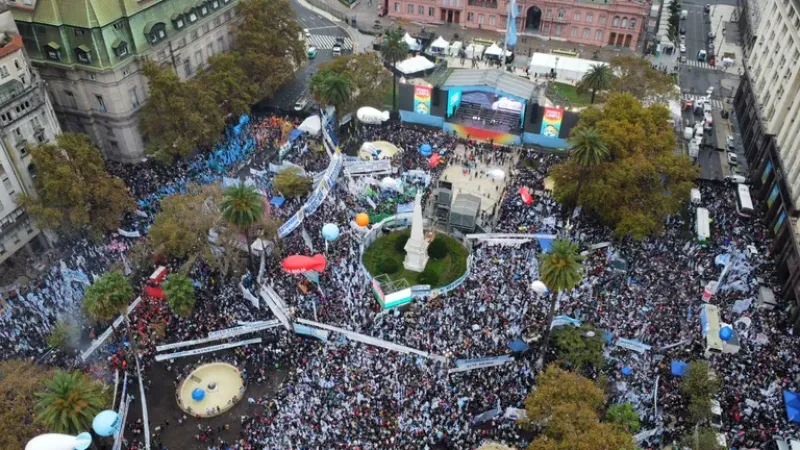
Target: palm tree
(587, 150)
(108, 297)
(560, 270)
(179, 291)
(243, 207)
(598, 78)
(69, 402)
(393, 49)
(332, 88)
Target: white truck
(684, 14)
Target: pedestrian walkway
(327, 42)
(715, 103)
(699, 64)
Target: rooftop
(498, 79)
(81, 13)
(10, 43)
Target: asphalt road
(321, 29)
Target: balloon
(300, 263)
(725, 333)
(496, 174)
(198, 394)
(53, 441)
(106, 423)
(626, 371)
(83, 441)
(389, 184)
(330, 232)
(539, 287)
(362, 219)
(433, 161)
(425, 150)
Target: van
(716, 414)
(701, 56)
(780, 443)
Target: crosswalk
(699, 64)
(327, 42)
(715, 103)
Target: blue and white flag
(511, 32)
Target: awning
(277, 201)
(53, 45)
(117, 43)
(176, 16)
(149, 27)
(84, 48)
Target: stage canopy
(566, 67)
(414, 65)
(497, 79)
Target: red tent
(527, 198)
(434, 160)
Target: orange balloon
(362, 219)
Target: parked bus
(702, 227)
(709, 326)
(744, 205)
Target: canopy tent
(413, 44)
(455, 48)
(792, 402)
(377, 150)
(295, 134)
(565, 67)
(312, 125)
(439, 46)
(679, 368)
(495, 50)
(518, 346)
(277, 201)
(414, 65)
(475, 51)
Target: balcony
(489, 4)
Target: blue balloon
(83, 441)
(198, 394)
(106, 423)
(330, 231)
(626, 371)
(425, 150)
(725, 333)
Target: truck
(720, 131)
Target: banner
(306, 330)
(551, 122)
(486, 416)
(405, 208)
(365, 167)
(466, 365)
(129, 234)
(278, 168)
(284, 150)
(75, 275)
(564, 320)
(422, 100)
(634, 345)
(200, 351)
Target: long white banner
(199, 351)
(102, 338)
(219, 335)
(466, 365)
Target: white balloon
(368, 114)
(52, 441)
(538, 287)
(497, 174)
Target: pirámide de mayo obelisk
(417, 246)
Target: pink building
(600, 23)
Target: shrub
(400, 243)
(438, 248)
(387, 265)
(430, 275)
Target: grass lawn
(569, 93)
(450, 267)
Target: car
(709, 91)
(337, 49)
(683, 59)
(736, 178)
(312, 52)
(707, 8)
(729, 142)
(300, 104)
(683, 40)
(306, 33)
(683, 48)
(683, 31)
(733, 160)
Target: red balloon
(527, 198)
(300, 263)
(434, 160)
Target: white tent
(311, 125)
(413, 45)
(566, 68)
(495, 50)
(414, 65)
(455, 48)
(475, 51)
(439, 46)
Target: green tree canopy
(597, 79)
(69, 402)
(268, 44)
(625, 416)
(699, 386)
(182, 225)
(65, 335)
(179, 118)
(108, 296)
(635, 76)
(561, 268)
(587, 151)
(73, 190)
(556, 387)
(19, 382)
(393, 50)
(642, 181)
(702, 439)
(368, 79)
(291, 183)
(179, 291)
(579, 348)
(228, 83)
(243, 207)
(332, 89)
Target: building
(749, 20)
(602, 23)
(26, 117)
(766, 106)
(90, 53)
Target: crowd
(344, 395)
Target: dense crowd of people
(344, 395)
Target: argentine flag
(511, 30)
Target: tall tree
(243, 207)
(108, 297)
(702, 439)
(642, 181)
(587, 150)
(291, 183)
(635, 76)
(179, 118)
(368, 76)
(597, 79)
(560, 270)
(73, 190)
(229, 84)
(579, 348)
(65, 335)
(625, 416)
(332, 89)
(179, 291)
(69, 402)
(268, 44)
(19, 382)
(393, 49)
(181, 226)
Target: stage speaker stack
(533, 112)
(436, 93)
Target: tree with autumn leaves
(565, 409)
(640, 181)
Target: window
(204, 10)
(101, 104)
(615, 22)
(633, 23)
(2, 249)
(227, 15)
(119, 25)
(492, 20)
(411, 9)
(187, 67)
(178, 22)
(431, 11)
(586, 32)
(480, 18)
(134, 93)
(548, 14)
(215, 4)
(546, 28)
(9, 187)
(17, 132)
(192, 16)
(156, 32)
(84, 54)
(589, 17)
(53, 51)
(598, 35)
(71, 99)
(217, 22)
(624, 22)
(573, 32)
(205, 29)
(198, 58)
(4, 71)
(114, 146)
(561, 13)
(120, 48)
(558, 30)
(194, 35)
(210, 50)
(577, 16)
(421, 10)
(602, 19)
(396, 7)
(79, 32)
(16, 64)
(470, 17)
(221, 43)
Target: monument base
(415, 263)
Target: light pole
(541, 289)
